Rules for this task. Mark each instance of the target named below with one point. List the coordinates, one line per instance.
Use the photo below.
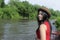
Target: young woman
(44, 28)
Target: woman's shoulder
(43, 26)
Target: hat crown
(46, 10)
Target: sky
(6, 1)
(54, 4)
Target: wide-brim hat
(45, 10)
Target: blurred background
(18, 18)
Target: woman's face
(40, 15)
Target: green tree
(2, 3)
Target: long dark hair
(45, 18)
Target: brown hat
(45, 10)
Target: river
(21, 30)
(18, 30)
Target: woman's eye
(40, 14)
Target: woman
(44, 30)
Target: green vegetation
(16, 10)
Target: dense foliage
(16, 9)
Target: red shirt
(47, 31)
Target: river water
(18, 30)
(21, 30)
